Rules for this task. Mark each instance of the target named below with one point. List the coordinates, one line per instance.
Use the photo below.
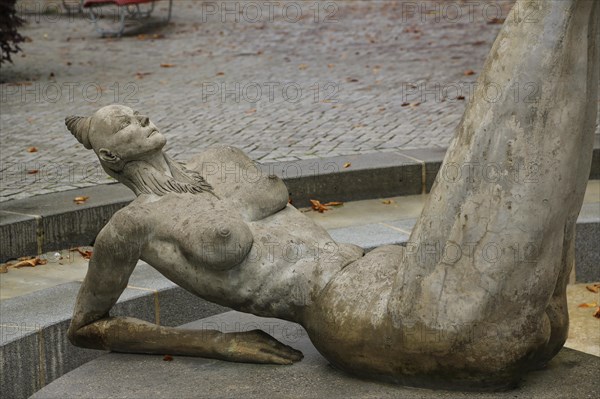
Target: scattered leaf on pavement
(588, 305)
(347, 165)
(496, 21)
(167, 65)
(405, 104)
(220, 73)
(31, 149)
(597, 313)
(168, 358)
(593, 288)
(81, 199)
(460, 97)
(302, 67)
(32, 171)
(27, 261)
(250, 111)
(469, 72)
(317, 206)
(84, 253)
(387, 202)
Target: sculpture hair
(79, 126)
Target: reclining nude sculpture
(396, 314)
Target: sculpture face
(119, 131)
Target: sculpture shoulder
(126, 225)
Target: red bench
(129, 9)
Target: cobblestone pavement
(281, 80)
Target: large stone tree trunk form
(503, 230)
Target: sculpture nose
(144, 120)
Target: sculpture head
(126, 142)
(117, 134)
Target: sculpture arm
(110, 268)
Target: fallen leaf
(387, 202)
(415, 104)
(334, 203)
(220, 73)
(31, 149)
(84, 253)
(588, 305)
(347, 165)
(330, 66)
(81, 199)
(167, 65)
(496, 21)
(32, 171)
(469, 72)
(405, 104)
(140, 75)
(302, 67)
(597, 313)
(168, 358)
(460, 97)
(31, 262)
(351, 80)
(593, 288)
(250, 111)
(290, 200)
(317, 206)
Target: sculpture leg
(505, 225)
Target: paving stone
(365, 61)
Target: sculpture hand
(257, 346)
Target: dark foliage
(9, 37)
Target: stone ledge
(52, 221)
(571, 374)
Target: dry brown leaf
(597, 313)
(84, 253)
(330, 66)
(496, 21)
(317, 206)
(387, 202)
(347, 165)
(334, 203)
(168, 358)
(167, 65)
(32, 171)
(588, 305)
(469, 72)
(33, 262)
(250, 111)
(81, 199)
(140, 75)
(31, 149)
(405, 104)
(415, 104)
(220, 73)
(460, 97)
(593, 288)
(302, 67)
